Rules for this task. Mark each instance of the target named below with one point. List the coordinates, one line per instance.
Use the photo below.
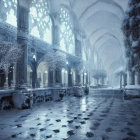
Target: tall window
(8, 11)
(67, 39)
(40, 21)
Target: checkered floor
(86, 118)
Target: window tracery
(67, 39)
(8, 12)
(40, 21)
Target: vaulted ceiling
(101, 21)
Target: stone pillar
(130, 78)
(6, 80)
(87, 78)
(58, 77)
(83, 79)
(51, 77)
(78, 78)
(102, 81)
(125, 79)
(120, 80)
(130, 72)
(97, 81)
(34, 78)
(14, 76)
(56, 29)
(56, 73)
(34, 73)
(41, 84)
(22, 39)
(70, 78)
(66, 78)
(137, 78)
(56, 35)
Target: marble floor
(93, 117)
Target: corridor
(99, 116)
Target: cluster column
(56, 74)
(22, 39)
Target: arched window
(8, 12)
(67, 39)
(40, 21)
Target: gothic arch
(92, 6)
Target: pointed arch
(40, 21)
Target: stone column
(51, 77)
(87, 78)
(137, 78)
(125, 79)
(120, 80)
(69, 77)
(22, 39)
(14, 76)
(78, 78)
(42, 79)
(83, 79)
(58, 77)
(102, 81)
(56, 29)
(97, 81)
(6, 80)
(130, 72)
(56, 74)
(34, 74)
(56, 35)
(130, 78)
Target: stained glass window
(8, 11)
(67, 39)
(40, 21)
